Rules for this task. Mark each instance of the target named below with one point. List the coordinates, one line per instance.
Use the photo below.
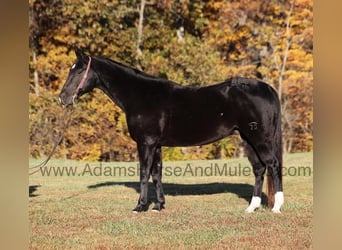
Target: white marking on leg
(278, 202)
(255, 203)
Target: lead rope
(66, 117)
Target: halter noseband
(82, 81)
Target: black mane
(130, 70)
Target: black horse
(160, 113)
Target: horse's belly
(195, 134)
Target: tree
(194, 43)
(140, 26)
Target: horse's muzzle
(66, 100)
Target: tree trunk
(281, 68)
(140, 26)
(35, 74)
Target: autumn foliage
(190, 42)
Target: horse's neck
(117, 84)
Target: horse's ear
(80, 54)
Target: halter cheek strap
(83, 80)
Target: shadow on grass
(243, 191)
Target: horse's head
(81, 79)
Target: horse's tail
(278, 150)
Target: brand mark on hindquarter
(253, 125)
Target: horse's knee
(144, 179)
(156, 171)
(155, 178)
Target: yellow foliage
(222, 39)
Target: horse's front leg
(146, 154)
(156, 177)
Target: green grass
(94, 212)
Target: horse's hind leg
(268, 158)
(259, 170)
(156, 177)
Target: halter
(83, 80)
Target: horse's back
(200, 115)
(254, 88)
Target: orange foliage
(268, 39)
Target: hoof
(140, 208)
(279, 201)
(157, 207)
(255, 203)
(276, 211)
(249, 210)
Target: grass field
(79, 205)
